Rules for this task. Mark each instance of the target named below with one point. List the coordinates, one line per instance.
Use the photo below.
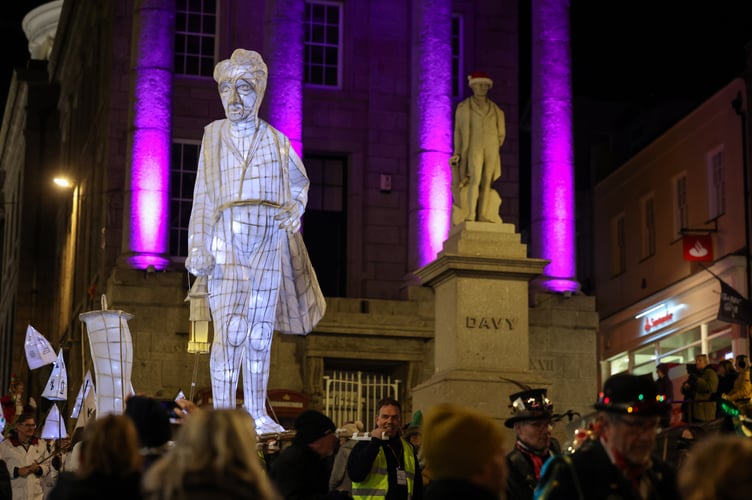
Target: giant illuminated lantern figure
(251, 190)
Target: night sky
(635, 49)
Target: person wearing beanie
(620, 464)
(479, 132)
(302, 470)
(741, 391)
(386, 466)
(153, 426)
(464, 450)
(531, 419)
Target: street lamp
(198, 342)
(63, 182)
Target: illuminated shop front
(675, 324)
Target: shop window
(644, 360)
(716, 184)
(719, 346)
(619, 364)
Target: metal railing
(352, 396)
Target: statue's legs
(475, 170)
(488, 199)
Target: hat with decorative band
(631, 395)
(532, 404)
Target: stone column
(431, 130)
(283, 44)
(552, 221)
(147, 190)
(480, 281)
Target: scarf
(537, 457)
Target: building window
(618, 246)
(322, 43)
(325, 221)
(716, 184)
(182, 179)
(458, 78)
(680, 204)
(648, 226)
(195, 34)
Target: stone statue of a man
(251, 190)
(479, 131)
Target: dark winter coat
(592, 476)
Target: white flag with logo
(88, 409)
(83, 391)
(57, 385)
(39, 352)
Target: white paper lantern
(54, 427)
(112, 354)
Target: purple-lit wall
(430, 178)
(284, 55)
(145, 231)
(552, 221)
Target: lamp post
(198, 343)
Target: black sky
(640, 49)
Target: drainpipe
(738, 106)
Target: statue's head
(242, 83)
(480, 82)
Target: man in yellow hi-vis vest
(386, 466)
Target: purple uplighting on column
(430, 205)
(148, 174)
(553, 214)
(284, 58)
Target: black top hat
(631, 394)
(532, 404)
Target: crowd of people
(454, 452)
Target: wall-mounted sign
(655, 322)
(698, 247)
(657, 317)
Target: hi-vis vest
(377, 482)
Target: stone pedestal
(480, 280)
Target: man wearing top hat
(532, 414)
(620, 463)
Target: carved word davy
(490, 323)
